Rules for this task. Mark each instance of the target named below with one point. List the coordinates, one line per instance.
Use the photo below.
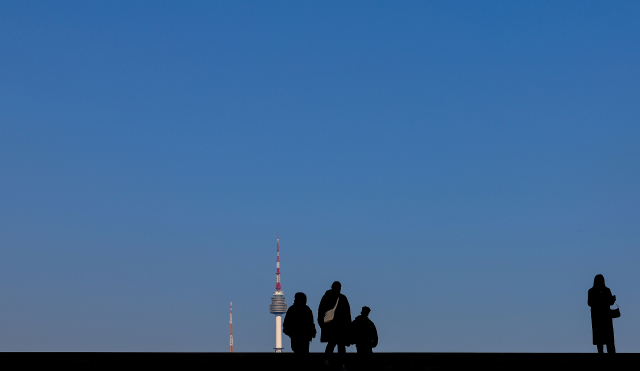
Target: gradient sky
(463, 168)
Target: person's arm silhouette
(374, 333)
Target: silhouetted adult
(600, 299)
(364, 332)
(336, 331)
(298, 324)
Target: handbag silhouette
(615, 313)
(328, 317)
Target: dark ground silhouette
(314, 361)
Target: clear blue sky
(463, 168)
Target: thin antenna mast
(278, 286)
(231, 326)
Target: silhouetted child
(365, 334)
(298, 324)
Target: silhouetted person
(335, 332)
(364, 332)
(298, 324)
(600, 299)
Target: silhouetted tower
(278, 306)
(231, 327)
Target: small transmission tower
(231, 327)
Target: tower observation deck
(278, 305)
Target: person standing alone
(600, 299)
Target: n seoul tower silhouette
(278, 306)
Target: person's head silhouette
(598, 281)
(300, 298)
(336, 286)
(365, 311)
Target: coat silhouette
(364, 333)
(336, 331)
(600, 299)
(298, 322)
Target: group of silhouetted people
(334, 319)
(337, 329)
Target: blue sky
(463, 168)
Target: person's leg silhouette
(611, 348)
(330, 346)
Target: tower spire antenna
(278, 285)
(231, 327)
